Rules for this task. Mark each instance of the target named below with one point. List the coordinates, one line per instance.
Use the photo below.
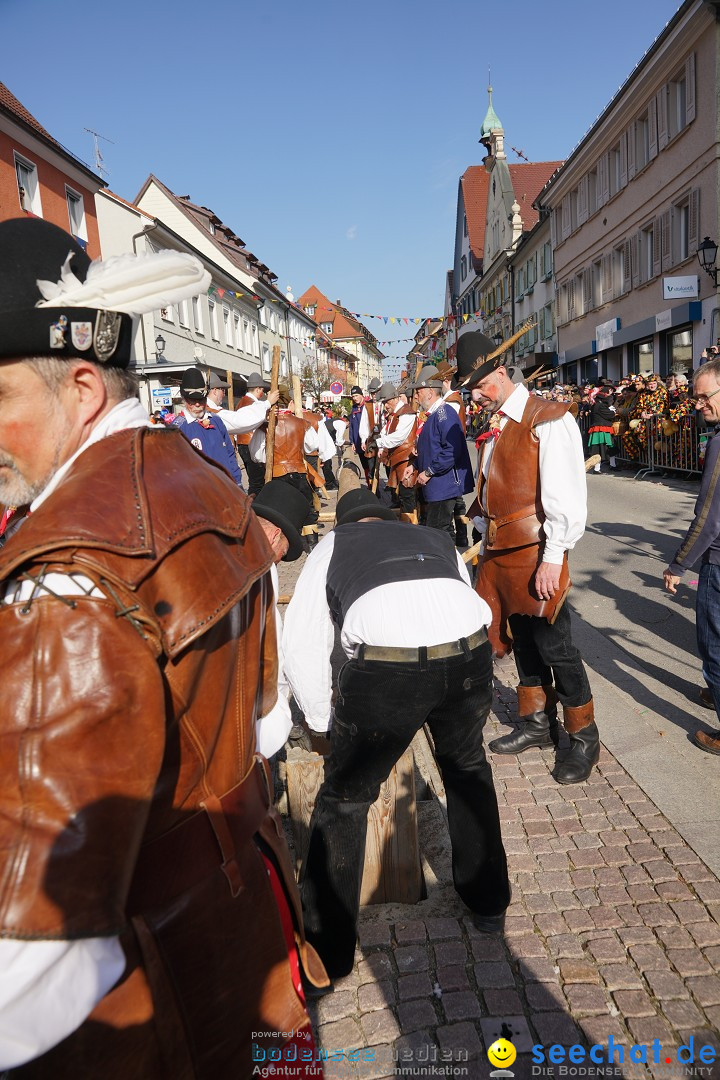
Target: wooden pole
(297, 396)
(272, 420)
(231, 396)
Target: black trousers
(440, 515)
(255, 472)
(545, 654)
(301, 482)
(379, 709)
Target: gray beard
(15, 489)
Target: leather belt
(204, 842)
(461, 647)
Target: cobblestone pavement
(614, 930)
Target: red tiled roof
(10, 104)
(343, 323)
(528, 180)
(475, 183)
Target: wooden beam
(272, 420)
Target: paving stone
(343, 1034)
(545, 996)
(337, 1006)
(635, 875)
(661, 871)
(673, 890)
(636, 935)
(411, 958)
(633, 1003)
(460, 1038)
(518, 924)
(551, 924)
(493, 975)
(579, 920)
(452, 978)
(414, 986)
(705, 934)
(583, 879)
(590, 841)
(556, 1028)
(647, 1029)
(629, 915)
(708, 890)
(538, 903)
(565, 945)
(450, 952)
(489, 946)
(416, 1014)
(621, 977)
(566, 901)
(461, 1006)
(585, 999)
(373, 933)
(528, 945)
(537, 969)
(665, 985)
(439, 929)
(408, 1047)
(689, 962)
(598, 1029)
(410, 933)
(578, 971)
(690, 911)
(610, 875)
(502, 1002)
(648, 957)
(606, 917)
(675, 937)
(643, 894)
(706, 988)
(615, 856)
(682, 1014)
(377, 966)
(587, 898)
(381, 1026)
(373, 996)
(657, 914)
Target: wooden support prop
(272, 420)
(230, 395)
(285, 598)
(392, 871)
(469, 555)
(591, 462)
(297, 396)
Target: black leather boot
(537, 711)
(461, 534)
(584, 744)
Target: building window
(677, 105)
(238, 339)
(273, 321)
(327, 327)
(520, 284)
(646, 253)
(464, 224)
(197, 315)
(28, 187)
(76, 213)
(266, 357)
(681, 231)
(213, 320)
(283, 363)
(182, 313)
(642, 142)
(573, 210)
(168, 314)
(593, 192)
(263, 316)
(463, 267)
(644, 357)
(227, 326)
(615, 170)
(679, 351)
(597, 284)
(246, 336)
(309, 309)
(255, 339)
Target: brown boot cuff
(578, 717)
(533, 699)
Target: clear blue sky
(329, 136)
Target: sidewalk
(613, 931)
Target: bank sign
(681, 288)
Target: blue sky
(329, 136)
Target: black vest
(368, 554)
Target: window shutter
(541, 321)
(571, 298)
(657, 230)
(627, 264)
(624, 159)
(690, 88)
(566, 217)
(604, 163)
(630, 141)
(662, 117)
(583, 201)
(694, 221)
(587, 290)
(665, 238)
(635, 241)
(652, 124)
(606, 278)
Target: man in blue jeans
(414, 632)
(702, 541)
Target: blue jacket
(443, 449)
(214, 442)
(354, 432)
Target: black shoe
(706, 698)
(489, 924)
(461, 536)
(582, 758)
(538, 729)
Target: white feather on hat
(134, 284)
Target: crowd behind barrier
(681, 451)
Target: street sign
(161, 397)
(336, 387)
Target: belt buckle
(491, 533)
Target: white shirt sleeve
(47, 990)
(364, 429)
(272, 730)
(341, 428)
(311, 442)
(241, 421)
(398, 436)
(257, 446)
(308, 638)
(325, 443)
(563, 486)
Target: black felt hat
(192, 384)
(287, 508)
(360, 503)
(472, 347)
(34, 251)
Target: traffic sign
(336, 387)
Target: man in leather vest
(257, 390)
(531, 510)
(396, 445)
(147, 907)
(414, 633)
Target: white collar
(435, 405)
(126, 414)
(190, 418)
(514, 406)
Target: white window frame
(255, 338)
(246, 336)
(167, 314)
(182, 313)
(32, 202)
(266, 362)
(197, 316)
(212, 311)
(71, 195)
(227, 325)
(236, 328)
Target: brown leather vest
(457, 399)
(312, 418)
(288, 455)
(401, 453)
(244, 440)
(511, 493)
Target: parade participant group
(149, 911)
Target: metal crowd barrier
(681, 452)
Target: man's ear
(85, 385)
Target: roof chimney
(338, 303)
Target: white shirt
(241, 421)
(257, 443)
(401, 614)
(341, 430)
(326, 446)
(272, 730)
(453, 404)
(563, 484)
(364, 430)
(399, 435)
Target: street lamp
(498, 339)
(159, 348)
(707, 257)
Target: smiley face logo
(502, 1053)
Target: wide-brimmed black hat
(287, 508)
(360, 503)
(192, 384)
(472, 347)
(35, 252)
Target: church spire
(492, 134)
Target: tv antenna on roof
(99, 160)
(520, 154)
